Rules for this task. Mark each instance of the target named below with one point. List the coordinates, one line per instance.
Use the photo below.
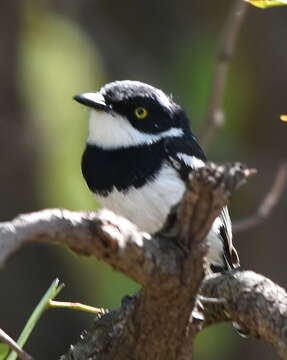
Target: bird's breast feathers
(140, 183)
(149, 205)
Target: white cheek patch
(110, 131)
(191, 161)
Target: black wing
(185, 155)
(230, 255)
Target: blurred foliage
(58, 61)
(217, 340)
(53, 51)
(191, 76)
(4, 349)
(263, 4)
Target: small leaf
(4, 349)
(283, 118)
(264, 4)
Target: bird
(139, 153)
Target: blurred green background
(52, 50)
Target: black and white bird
(139, 152)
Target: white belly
(149, 206)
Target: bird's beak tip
(93, 100)
(77, 97)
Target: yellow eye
(141, 113)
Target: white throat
(111, 131)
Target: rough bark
(253, 301)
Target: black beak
(92, 100)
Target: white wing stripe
(191, 161)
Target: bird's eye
(141, 113)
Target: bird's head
(131, 113)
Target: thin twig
(75, 306)
(269, 202)
(14, 346)
(215, 116)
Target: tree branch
(268, 203)
(250, 299)
(103, 234)
(215, 116)
(168, 264)
(161, 321)
(254, 302)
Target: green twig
(5, 338)
(51, 293)
(75, 306)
